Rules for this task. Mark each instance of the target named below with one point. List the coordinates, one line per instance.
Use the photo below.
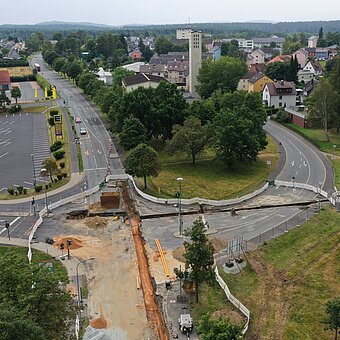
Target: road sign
(269, 162)
(58, 130)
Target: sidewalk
(70, 265)
(76, 178)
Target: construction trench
(153, 310)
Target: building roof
(5, 78)
(273, 39)
(134, 66)
(152, 68)
(274, 86)
(280, 58)
(268, 50)
(257, 77)
(142, 78)
(179, 66)
(316, 65)
(257, 68)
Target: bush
(51, 121)
(20, 79)
(10, 191)
(62, 165)
(25, 191)
(13, 62)
(46, 186)
(60, 176)
(54, 113)
(59, 154)
(56, 146)
(20, 189)
(38, 188)
(55, 180)
(64, 174)
(14, 108)
(283, 117)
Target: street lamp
(43, 173)
(293, 179)
(78, 286)
(180, 179)
(34, 178)
(333, 156)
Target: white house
(279, 94)
(104, 76)
(304, 76)
(314, 67)
(256, 57)
(141, 80)
(312, 41)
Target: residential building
(258, 82)
(304, 76)
(313, 41)
(253, 70)
(136, 55)
(256, 57)
(333, 51)
(321, 53)
(314, 67)
(104, 76)
(13, 54)
(195, 60)
(269, 52)
(301, 57)
(5, 80)
(298, 115)
(279, 94)
(141, 80)
(177, 73)
(311, 52)
(154, 69)
(183, 33)
(247, 45)
(134, 67)
(280, 59)
(268, 42)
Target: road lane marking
(4, 154)
(292, 163)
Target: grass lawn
(34, 109)
(18, 71)
(38, 256)
(290, 279)
(209, 177)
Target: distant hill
(65, 23)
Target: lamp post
(333, 156)
(293, 179)
(180, 179)
(78, 286)
(43, 173)
(34, 178)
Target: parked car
(77, 120)
(83, 131)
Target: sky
(120, 12)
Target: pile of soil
(96, 222)
(76, 243)
(99, 323)
(96, 207)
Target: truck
(185, 323)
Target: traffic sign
(57, 119)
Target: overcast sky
(118, 12)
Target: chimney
(282, 82)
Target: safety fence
(238, 304)
(54, 206)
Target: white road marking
(292, 163)
(4, 154)
(29, 183)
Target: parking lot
(28, 92)
(21, 136)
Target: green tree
(276, 71)
(16, 93)
(223, 74)
(239, 134)
(51, 167)
(322, 108)
(191, 138)
(199, 255)
(163, 45)
(204, 110)
(332, 321)
(74, 69)
(4, 99)
(133, 133)
(142, 161)
(218, 329)
(58, 64)
(32, 297)
(119, 74)
(50, 56)
(321, 33)
(334, 80)
(230, 49)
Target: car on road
(83, 131)
(77, 120)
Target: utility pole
(7, 227)
(180, 179)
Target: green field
(211, 178)
(290, 279)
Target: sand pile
(96, 222)
(76, 242)
(99, 323)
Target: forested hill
(243, 29)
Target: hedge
(13, 62)
(19, 79)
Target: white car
(83, 131)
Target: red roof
(4, 77)
(280, 58)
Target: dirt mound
(99, 323)
(76, 242)
(178, 254)
(96, 222)
(96, 207)
(219, 244)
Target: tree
(163, 45)
(322, 109)
(230, 49)
(321, 33)
(218, 329)
(51, 167)
(239, 134)
(58, 64)
(142, 161)
(199, 255)
(223, 74)
(4, 99)
(332, 321)
(119, 74)
(74, 70)
(133, 133)
(204, 110)
(31, 301)
(276, 71)
(191, 138)
(16, 93)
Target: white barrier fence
(238, 304)
(54, 206)
(190, 201)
